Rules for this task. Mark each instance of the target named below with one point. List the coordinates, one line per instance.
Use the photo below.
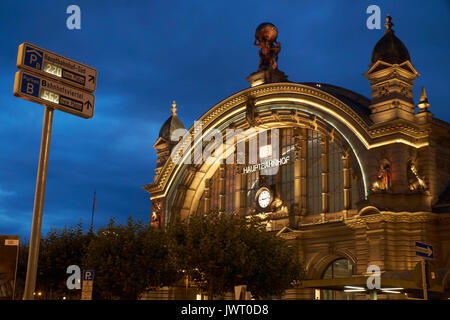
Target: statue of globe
(266, 32)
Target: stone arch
(368, 210)
(276, 105)
(319, 262)
(191, 186)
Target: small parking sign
(88, 275)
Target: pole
(33, 254)
(94, 205)
(424, 280)
(15, 273)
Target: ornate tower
(391, 77)
(164, 144)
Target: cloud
(5, 193)
(195, 52)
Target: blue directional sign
(424, 250)
(88, 275)
(49, 64)
(46, 91)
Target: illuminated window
(230, 174)
(252, 188)
(287, 170)
(340, 268)
(314, 172)
(282, 183)
(228, 186)
(215, 191)
(335, 178)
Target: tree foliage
(58, 249)
(128, 260)
(219, 251)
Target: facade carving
(415, 182)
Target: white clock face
(264, 199)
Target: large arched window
(232, 189)
(340, 268)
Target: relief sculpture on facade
(415, 182)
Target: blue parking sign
(88, 275)
(30, 85)
(33, 58)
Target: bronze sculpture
(266, 38)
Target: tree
(128, 260)
(219, 251)
(271, 265)
(58, 249)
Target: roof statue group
(266, 38)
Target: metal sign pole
(424, 280)
(33, 254)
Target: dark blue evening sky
(148, 53)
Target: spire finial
(389, 24)
(174, 108)
(423, 103)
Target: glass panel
(287, 170)
(215, 180)
(252, 188)
(229, 188)
(335, 178)
(341, 268)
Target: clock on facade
(263, 198)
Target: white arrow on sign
(426, 250)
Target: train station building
(356, 181)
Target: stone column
(237, 189)
(303, 171)
(347, 180)
(325, 199)
(207, 198)
(297, 167)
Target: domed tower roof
(390, 49)
(171, 124)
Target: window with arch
(339, 268)
(223, 190)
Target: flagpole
(93, 210)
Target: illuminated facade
(358, 180)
